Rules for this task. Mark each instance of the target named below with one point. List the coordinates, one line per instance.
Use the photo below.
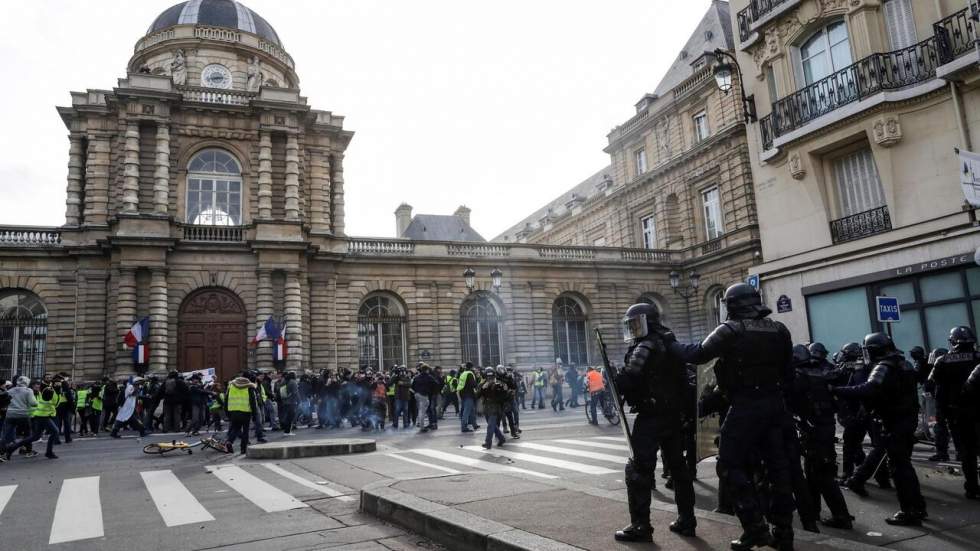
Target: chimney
(403, 217)
(463, 213)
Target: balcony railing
(567, 253)
(24, 236)
(955, 35)
(873, 74)
(220, 97)
(645, 255)
(757, 10)
(860, 225)
(765, 127)
(477, 249)
(214, 234)
(380, 247)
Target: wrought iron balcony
(955, 36)
(860, 225)
(214, 234)
(765, 127)
(873, 74)
(757, 10)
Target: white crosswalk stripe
(175, 502)
(6, 492)
(318, 485)
(531, 458)
(266, 496)
(590, 444)
(618, 459)
(422, 463)
(477, 463)
(78, 514)
(611, 438)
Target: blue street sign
(888, 310)
(753, 280)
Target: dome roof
(215, 13)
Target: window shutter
(858, 184)
(900, 23)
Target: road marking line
(610, 438)
(423, 463)
(558, 463)
(318, 485)
(6, 492)
(78, 514)
(174, 501)
(589, 444)
(618, 459)
(478, 463)
(269, 498)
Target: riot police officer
(755, 366)
(852, 370)
(949, 374)
(654, 383)
(890, 394)
(941, 429)
(814, 406)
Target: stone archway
(211, 332)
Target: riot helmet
(500, 371)
(638, 320)
(801, 355)
(962, 337)
(489, 373)
(851, 352)
(936, 354)
(917, 353)
(818, 351)
(744, 302)
(878, 345)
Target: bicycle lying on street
(211, 442)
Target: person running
(22, 403)
(42, 421)
(126, 415)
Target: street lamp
(495, 277)
(693, 281)
(723, 78)
(469, 276)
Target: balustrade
(370, 247)
(221, 97)
(29, 237)
(477, 249)
(214, 234)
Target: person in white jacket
(127, 413)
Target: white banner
(970, 176)
(207, 375)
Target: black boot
(634, 532)
(856, 487)
(752, 537)
(902, 518)
(684, 527)
(840, 522)
(782, 538)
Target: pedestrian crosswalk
(78, 515)
(173, 500)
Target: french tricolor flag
(135, 339)
(280, 351)
(267, 330)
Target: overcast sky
(499, 105)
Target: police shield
(711, 408)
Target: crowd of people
(780, 405)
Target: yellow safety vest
(461, 383)
(82, 397)
(539, 378)
(238, 399)
(46, 408)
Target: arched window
(715, 307)
(23, 334)
(825, 52)
(381, 332)
(569, 323)
(214, 189)
(479, 327)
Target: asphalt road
(105, 493)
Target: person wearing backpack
(174, 391)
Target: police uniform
(755, 356)
(654, 383)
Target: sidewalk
(507, 512)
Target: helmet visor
(634, 328)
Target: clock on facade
(216, 76)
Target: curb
(310, 448)
(455, 529)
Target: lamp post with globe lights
(724, 72)
(687, 292)
(496, 279)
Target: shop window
(840, 317)
(940, 319)
(940, 287)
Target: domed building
(206, 195)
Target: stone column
(320, 187)
(292, 177)
(338, 195)
(97, 180)
(159, 310)
(294, 320)
(263, 309)
(125, 317)
(265, 176)
(131, 169)
(161, 177)
(76, 166)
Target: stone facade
(133, 246)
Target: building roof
(713, 32)
(584, 190)
(434, 227)
(228, 14)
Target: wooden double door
(212, 333)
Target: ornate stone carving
(178, 68)
(776, 35)
(255, 75)
(826, 8)
(887, 130)
(213, 302)
(663, 136)
(797, 167)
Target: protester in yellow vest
(42, 420)
(95, 416)
(83, 408)
(240, 402)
